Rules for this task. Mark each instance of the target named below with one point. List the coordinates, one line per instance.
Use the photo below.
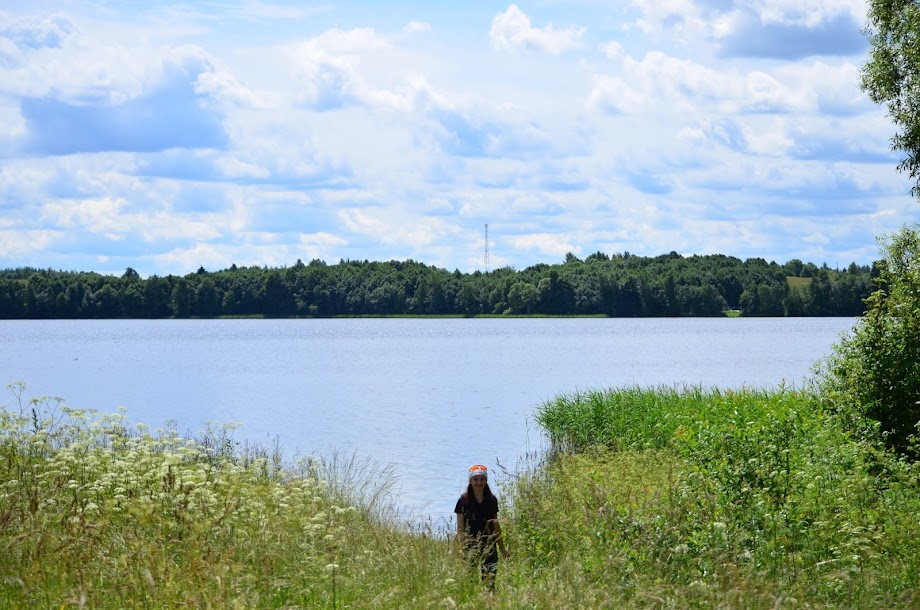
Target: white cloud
(550, 244)
(234, 168)
(321, 239)
(327, 69)
(37, 33)
(660, 15)
(809, 13)
(415, 27)
(113, 219)
(261, 133)
(224, 88)
(96, 215)
(16, 243)
(398, 228)
(512, 30)
(658, 79)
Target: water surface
(427, 396)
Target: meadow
(659, 498)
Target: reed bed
(682, 497)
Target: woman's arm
(499, 540)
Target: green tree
(277, 301)
(180, 300)
(207, 301)
(875, 372)
(157, 295)
(12, 299)
(521, 297)
(106, 299)
(891, 76)
(131, 300)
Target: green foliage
(892, 73)
(740, 499)
(875, 372)
(719, 498)
(621, 285)
(97, 514)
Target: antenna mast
(485, 255)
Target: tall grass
(661, 498)
(99, 515)
(708, 497)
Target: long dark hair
(470, 495)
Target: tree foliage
(875, 372)
(891, 75)
(620, 285)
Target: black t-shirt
(476, 515)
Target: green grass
(796, 282)
(658, 498)
(94, 514)
(745, 498)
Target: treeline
(621, 285)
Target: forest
(618, 285)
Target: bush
(875, 372)
(717, 498)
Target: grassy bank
(655, 498)
(98, 515)
(686, 497)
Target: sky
(167, 136)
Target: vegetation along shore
(652, 497)
(618, 285)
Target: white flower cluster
(91, 471)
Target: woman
(478, 530)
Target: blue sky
(166, 136)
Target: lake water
(426, 396)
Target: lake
(427, 397)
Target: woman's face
(478, 482)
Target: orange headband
(478, 470)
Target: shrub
(875, 372)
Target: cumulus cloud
(165, 148)
(747, 35)
(550, 244)
(776, 29)
(392, 227)
(116, 220)
(465, 136)
(327, 67)
(223, 88)
(36, 33)
(414, 27)
(658, 16)
(321, 239)
(97, 215)
(634, 85)
(170, 116)
(512, 30)
(19, 242)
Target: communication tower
(485, 254)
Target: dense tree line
(621, 285)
